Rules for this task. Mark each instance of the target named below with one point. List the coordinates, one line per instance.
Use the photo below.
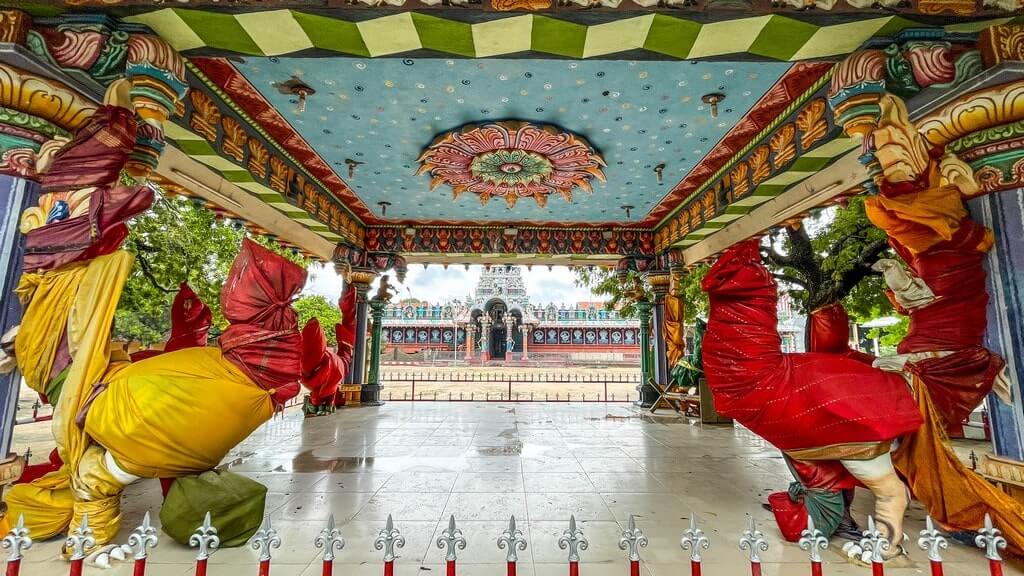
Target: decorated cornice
(794, 88)
(214, 125)
(37, 109)
(792, 147)
(980, 125)
(780, 30)
(501, 240)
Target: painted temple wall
(1004, 214)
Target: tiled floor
(482, 462)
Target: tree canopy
(605, 282)
(178, 241)
(825, 259)
(311, 306)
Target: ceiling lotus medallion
(511, 160)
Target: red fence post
(931, 541)
(991, 539)
(694, 540)
(632, 540)
(812, 540)
(330, 539)
(573, 540)
(206, 539)
(141, 538)
(79, 540)
(388, 540)
(264, 541)
(876, 544)
(511, 538)
(753, 540)
(16, 542)
(451, 540)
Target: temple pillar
(976, 120)
(525, 328)
(470, 333)
(372, 388)
(648, 394)
(659, 282)
(16, 195)
(510, 324)
(485, 339)
(360, 282)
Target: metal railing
(517, 387)
(872, 549)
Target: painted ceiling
(380, 114)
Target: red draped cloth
(93, 158)
(263, 338)
(795, 401)
(190, 324)
(322, 370)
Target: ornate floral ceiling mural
(511, 160)
(371, 120)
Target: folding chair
(677, 401)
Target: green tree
(824, 262)
(177, 241)
(311, 306)
(605, 282)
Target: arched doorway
(498, 344)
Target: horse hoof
(118, 554)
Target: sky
(436, 284)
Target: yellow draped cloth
(954, 495)
(177, 413)
(81, 297)
(675, 331)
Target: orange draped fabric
(953, 495)
(675, 332)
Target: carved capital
(660, 282)
(999, 44)
(361, 278)
(14, 26)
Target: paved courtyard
(482, 462)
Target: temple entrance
(499, 331)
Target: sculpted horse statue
(844, 419)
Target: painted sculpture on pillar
(845, 419)
(172, 415)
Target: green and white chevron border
(279, 32)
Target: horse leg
(891, 499)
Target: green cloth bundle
(235, 504)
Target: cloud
(436, 284)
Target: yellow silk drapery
(150, 421)
(675, 330)
(954, 495)
(82, 298)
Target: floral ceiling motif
(512, 160)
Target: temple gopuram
(684, 148)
